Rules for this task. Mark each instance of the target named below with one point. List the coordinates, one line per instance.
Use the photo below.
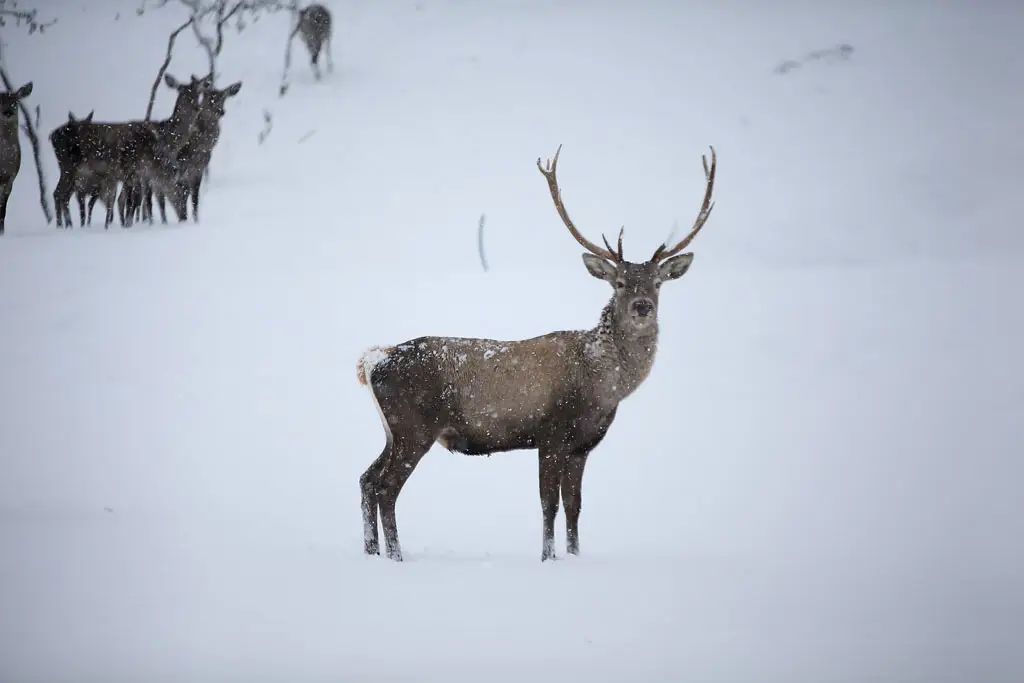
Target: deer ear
(88, 119)
(25, 90)
(675, 267)
(600, 268)
(233, 89)
(171, 81)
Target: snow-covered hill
(819, 481)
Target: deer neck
(621, 358)
(9, 130)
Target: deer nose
(643, 307)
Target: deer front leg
(572, 497)
(550, 474)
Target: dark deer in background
(98, 181)
(314, 25)
(133, 152)
(557, 393)
(158, 173)
(10, 145)
(194, 157)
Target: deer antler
(663, 252)
(556, 195)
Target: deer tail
(368, 361)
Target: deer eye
(657, 285)
(620, 285)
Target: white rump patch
(370, 360)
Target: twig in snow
(480, 241)
(268, 125)
(307, 136)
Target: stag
(10, 145)
(314, 25)
(557, 393)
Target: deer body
(158, 173)
(10, 145)
(96, 181)
(194, 158)
(315, 28)
(314, 25)
(557, 393)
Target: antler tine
(664, 252)
(556, 195)
(619, 254)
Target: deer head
(636, 285)
(186, 105)
(213, 99)
(9, 101)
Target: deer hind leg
(551, 466)
(330, 57)
(314, 59)
(92, 203)
(61, 199)
(109, 198)
(193, 189)
(178, 197)
(369, 483)
(80, 199)
(406, 452)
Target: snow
(820, 480)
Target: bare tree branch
(163, 67)
(9, 12)
(30, 131)
(220, 12)
(207, 46)
(288, 47)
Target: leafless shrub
(209, 19)
(12, 12)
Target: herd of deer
(163, 160)
(557, 393)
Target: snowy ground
(819, 482)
